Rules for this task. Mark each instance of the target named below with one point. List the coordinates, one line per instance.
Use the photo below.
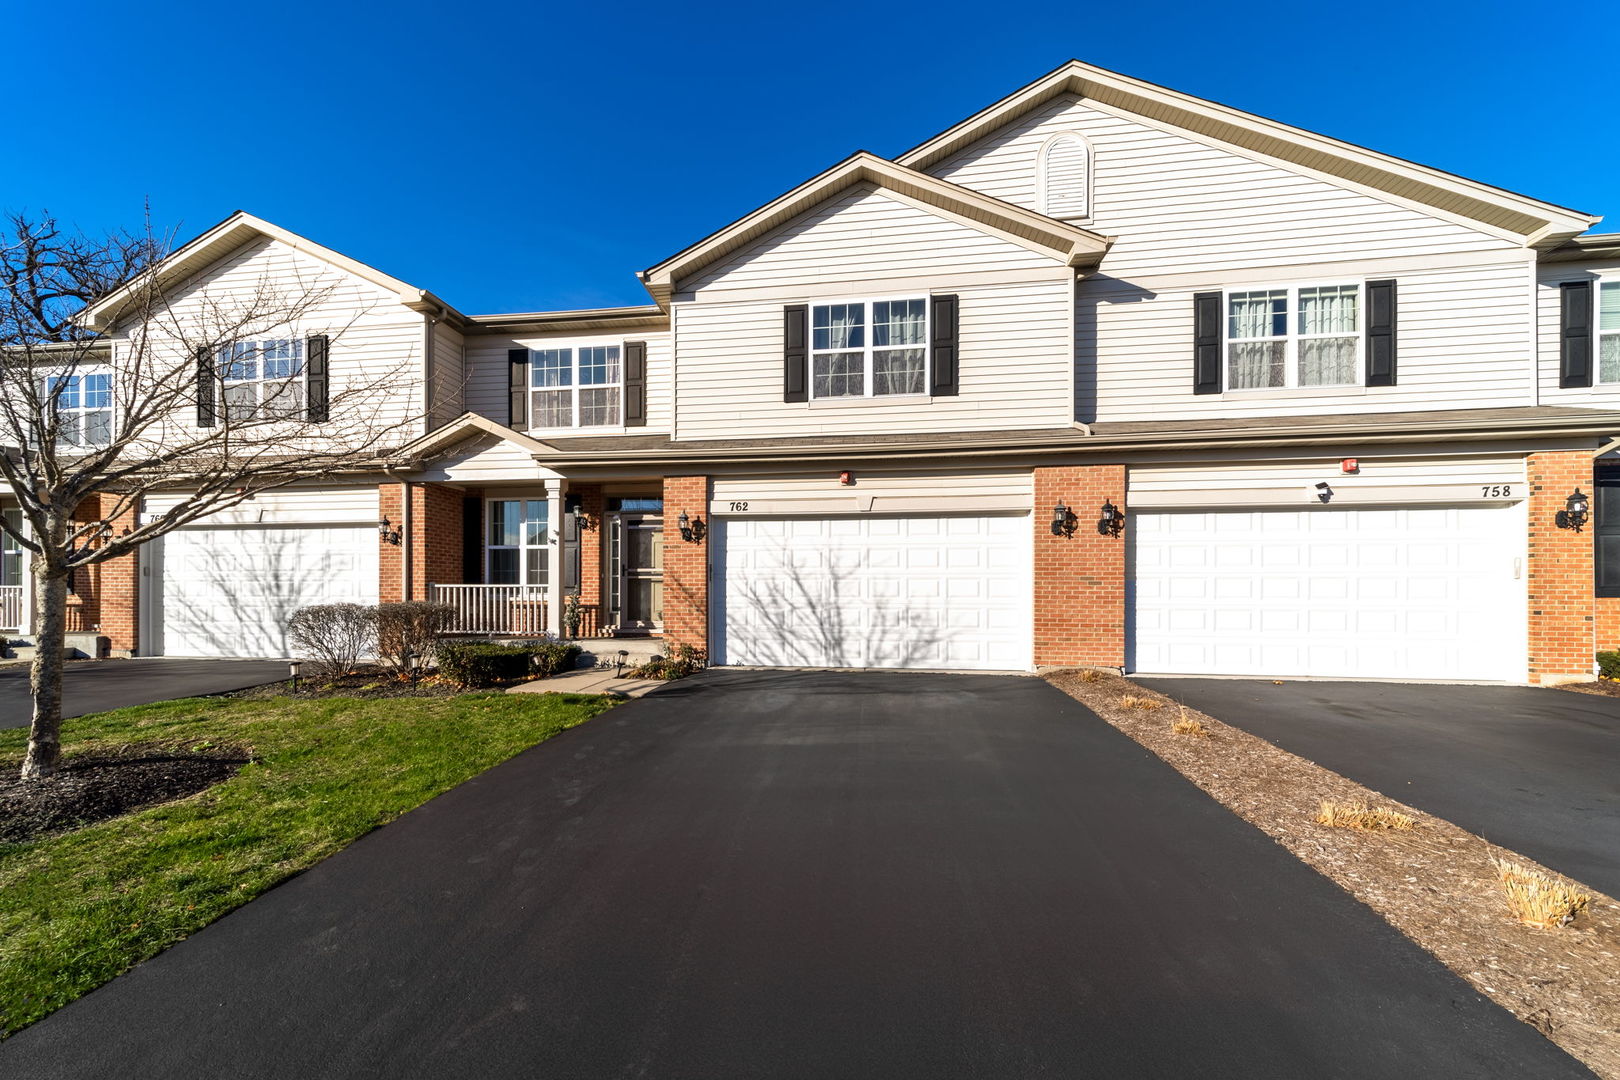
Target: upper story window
(83, 408)
(263, 379)
(1309, 335)
(516, 549)
(1608, 329)
(869, 348)
(575, 387)
(1064, 177)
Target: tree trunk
(45, 676)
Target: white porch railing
(11, 607)
(494, 609)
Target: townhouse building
(1104, 374)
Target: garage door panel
(948, 591)
(1383, 593)
(231, 591)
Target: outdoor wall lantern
(389, 534)
(1111, 521)
(692, 530)
(1573, 515)
(1063, 520)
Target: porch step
(604, 652)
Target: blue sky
(513, 156)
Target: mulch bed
(1603, 687)
(365, 682)
(1435, 883)
(104, 783)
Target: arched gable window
(1064, 176)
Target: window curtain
(1609, 332)
(1254, 364)
(1328, 361)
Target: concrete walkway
(757, 874)
(591, 681)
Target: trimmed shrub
(477, 664)
(1609, 664)
(686, 661)
(334, 636)
(554, 658)
(409, 632)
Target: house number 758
(1495, 491)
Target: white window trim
(574, 346)
(1598, 334)
(1293, 337)
(522, 547)
(1041, 189)
(222, 361)
(82, 373)
(866, 394)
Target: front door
(640, 571)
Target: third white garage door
(1412, 592)
(869, 591)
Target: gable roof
(466, 426)
(230, 235)
(1066, 243)
(1537, 223)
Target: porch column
(1079, 578)
(555, 490)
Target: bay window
(83, 405)
(575, 387)
(516, 551)
(1292, 336)
(263, 379)
(869, 348)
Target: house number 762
(738, 507)
(1495, 491)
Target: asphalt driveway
(1535, 770)
(803, 875)
(96, 686)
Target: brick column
(593, 508)
(435, 540)
(1563, 635)
(120, 593)
(390, 558)
(1079, 579)
(686, 565)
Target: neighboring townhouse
(1103, 375)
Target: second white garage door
(1400, 593)
(885, 592)
(230, 591)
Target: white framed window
(11, 551)
(1294, 336)
(575, 386)
(83, 405)
(869, 348)
(1608, 331)
(1063, 176)
(516, 550)
(263, 379)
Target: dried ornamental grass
(1131, 701)
(1538, 899)
(1350, 815)
(1091, 675)
(1188, 725)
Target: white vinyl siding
(1013, 360)
(1181, 206)
(297, 505)
(863, 235)
(447, 394)
(1064, 177)
(488, 370)
(1602, 393)
(1463, 339)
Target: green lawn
(79, 908)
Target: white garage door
(230, 591)
(887, 592)
(1420, 593)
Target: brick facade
(1079, 579)
(686, 565)
(1563, 622)
(592, 538)
(435, 540)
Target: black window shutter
(472, 540)
(570, 546)
(795, 353)
(517, 386)
(1207, 343)
(944, 380)
(635, 384)
(1381, 333)
(206, 411)
(318, 380)
(1575, 333)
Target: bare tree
(191, 390)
